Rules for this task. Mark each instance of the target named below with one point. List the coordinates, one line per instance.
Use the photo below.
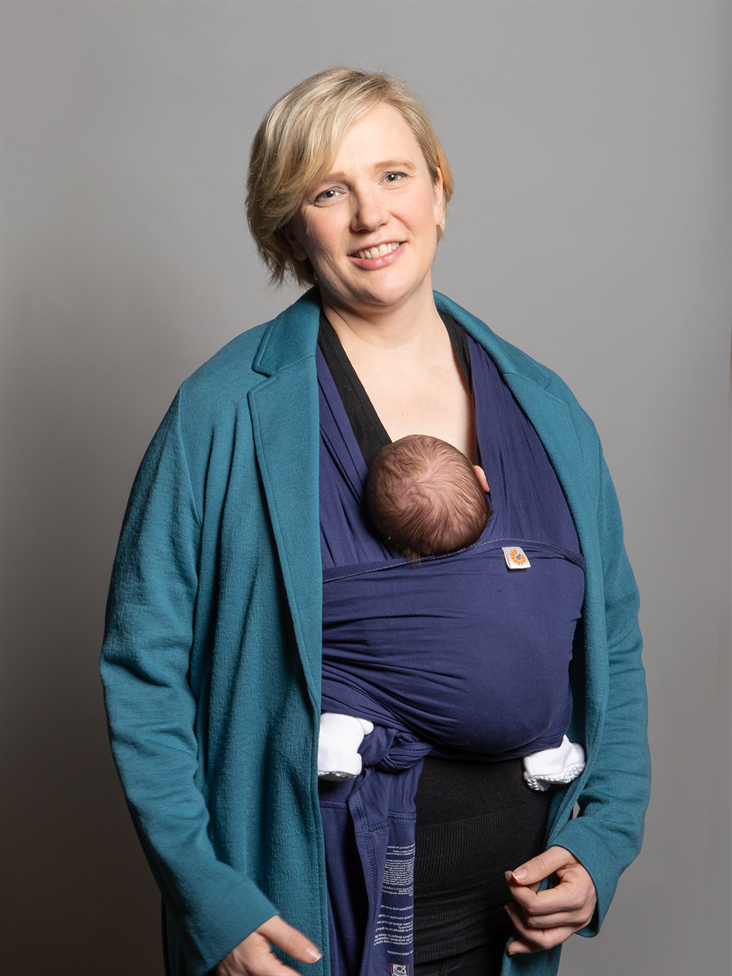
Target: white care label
(516, 558)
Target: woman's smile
(378, 255)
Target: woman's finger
(542, 866)
(294, 943)
(254, 957)
(565, 897)
(544, 919)
(521, 945)
(575, 892)
(536, 939)
(577, 919)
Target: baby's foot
(552, 767)
(340, 737)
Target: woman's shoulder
(232, 365)
(252, 357)
(520, 370)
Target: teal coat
(212, 655)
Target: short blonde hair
(298, 140)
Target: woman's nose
(369, 211)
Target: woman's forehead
(381, 139)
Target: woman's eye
(394, 177)
(327, 195)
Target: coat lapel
(284, 411)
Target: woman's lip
(371, 264)
(369, 247)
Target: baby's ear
(480, 475)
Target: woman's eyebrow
(377, 167)
(395, 164)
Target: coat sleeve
(151, 708)
(607, 834)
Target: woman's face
(369, 227)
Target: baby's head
(425, 497)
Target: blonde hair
(298, 140)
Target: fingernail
(312, 955)
(519, 874)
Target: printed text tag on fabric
(516, 558)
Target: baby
(426, 499)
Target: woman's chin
(382, 293)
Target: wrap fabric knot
(392, 751)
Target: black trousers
(486, 960)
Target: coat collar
(291, 337)
(507, 358)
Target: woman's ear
(438, 191)
(480, 475)
(293, 240)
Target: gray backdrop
(590, 146)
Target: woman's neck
(406, 364)
(416, 324)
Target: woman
(244, 511)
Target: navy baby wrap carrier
(455, 655)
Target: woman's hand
(547, 918)
(254, 957)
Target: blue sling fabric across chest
(437, 654)
(459, 650)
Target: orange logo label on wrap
(516, 558)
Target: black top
(368, 428)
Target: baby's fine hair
(424, 497)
